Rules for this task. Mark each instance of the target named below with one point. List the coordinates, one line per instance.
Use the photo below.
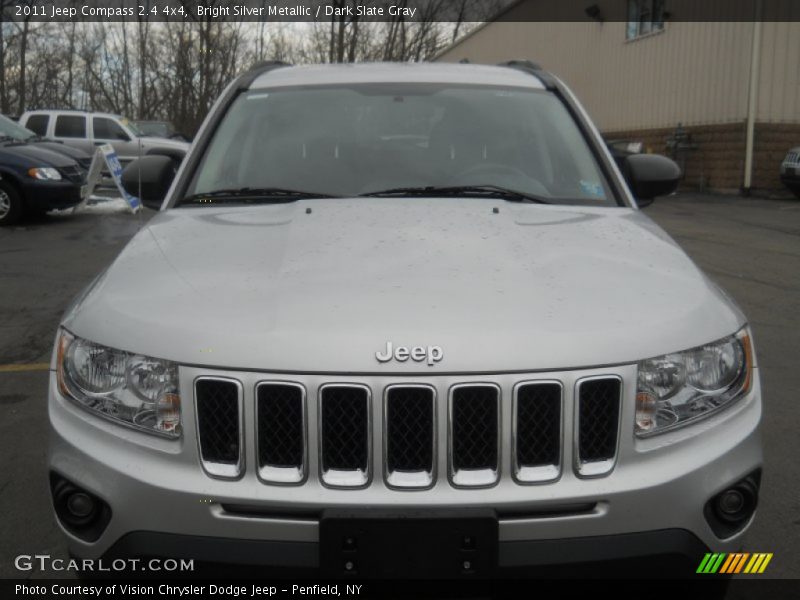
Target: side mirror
(148, 178)
(650, 175)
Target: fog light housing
(80, 512)
(731, 509)
(730, 504)
(80, 505)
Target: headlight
(47, 173)
(138, 391)
(677, 389)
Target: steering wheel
(468, 176)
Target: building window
(644, 17)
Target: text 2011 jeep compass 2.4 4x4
(403, 319)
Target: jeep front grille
(597, 410)
(409, 435)
(345, 435)
(474, 434)
(537, 431)
(280, 418)
(218, 403)
(324, 430)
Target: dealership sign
(106, 154)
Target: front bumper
(51, 195)
(664, 554)
(650, 504)
(790, 174)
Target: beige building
(734, 87)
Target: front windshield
(351, 140)
(131, 127)
(14, 130)
(153, 128)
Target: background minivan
(13, 130)
(35, 180)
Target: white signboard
(106, 154)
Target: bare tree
(23, 58)
(175, 70)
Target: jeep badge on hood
(430, 354)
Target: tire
(10, 204)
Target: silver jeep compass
(403, 319)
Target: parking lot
(750, 246)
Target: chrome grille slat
(345, 432)
(409, 435)
(218, 406)
(537, 431)
(474, 432)
(597, 413)
(280, 430)
(474, 443)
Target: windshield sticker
(592, 188)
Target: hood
(37, 156)
(74, 153)
(275, 288)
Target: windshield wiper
(489, 191)
(252, 195)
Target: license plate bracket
(419, 544)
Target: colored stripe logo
(736, 562)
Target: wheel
(10, 204)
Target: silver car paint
(531, 288)
(793, 164)
(158, 485)
(533, 292)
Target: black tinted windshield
(362, 139)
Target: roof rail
(257, 69)
(533, 68)
(521, 64)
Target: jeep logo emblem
(429, 354)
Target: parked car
(790, 171)
(34, 179)
(10, 129)
(85, 130)
(163, 129)
(404, 319)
